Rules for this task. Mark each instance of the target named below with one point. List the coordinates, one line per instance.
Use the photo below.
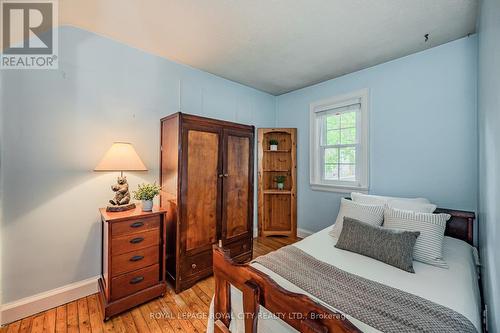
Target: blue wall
(422, 130)
(56, 127)
(489, 155)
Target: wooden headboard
(460, 225)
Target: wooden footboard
(297, 310)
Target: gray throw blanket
(382, 307)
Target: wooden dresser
(133, 269)
(207, 184)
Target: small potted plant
(280, 180)
(273, 144)
(146, 193)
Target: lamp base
(120, 208)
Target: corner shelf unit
(277, 208)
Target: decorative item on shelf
(146, 193)
(273, 144)
(121, 157)
(280, 180)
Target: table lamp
(120, 157)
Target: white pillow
(419, 205)
(381, 200)
(413, 206)
(429, 245)
(372, 214)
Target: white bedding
(455, 287)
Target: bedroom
(417, 83)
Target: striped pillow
(429, 245)
(371, 214)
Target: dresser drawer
(132, 282)
(133, 242)
(131, 261)
(194, 264)
(135, 226)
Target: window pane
(348, 155)
(333, 137)
(348, 136)
(333, 121)
(332, 156)
(347, 172)
(348, 119)
(332, 171)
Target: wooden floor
(184, 312)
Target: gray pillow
(391, 246)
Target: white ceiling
(276, 45)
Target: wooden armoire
(206, 173)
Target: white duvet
(456, 287)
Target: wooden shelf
(277, 208)
(277, 192)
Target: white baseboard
(29, 306)
(303, 233)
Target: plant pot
(273, 147)
(281, 186)
(147, 205)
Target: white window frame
(362, 152)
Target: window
(339, 143)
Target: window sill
(338, 188)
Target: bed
(251, 298)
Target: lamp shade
(121, 157)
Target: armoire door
(200, 188)
(237, 198)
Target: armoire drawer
(132, 242)
(237, 248)
(194, 264)
(132, 261)
(135, 226)
(132, 282)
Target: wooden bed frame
(298, 310)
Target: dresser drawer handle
(193, 266)
(136, 240)
(137, 279)
(137, 224)
(136, 258)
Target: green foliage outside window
(340, 162)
